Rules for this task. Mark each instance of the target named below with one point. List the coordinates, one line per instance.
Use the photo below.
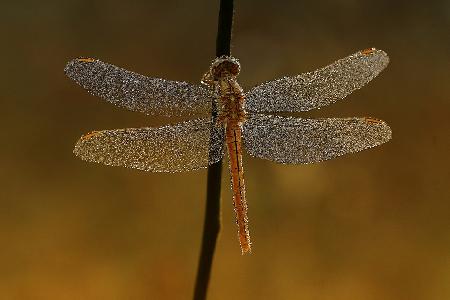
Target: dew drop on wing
(319, 88)
(152, 96)
(300, 141)
(186, 146)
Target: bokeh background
(374, 225)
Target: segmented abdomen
(234, 144)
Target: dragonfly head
(222, 66)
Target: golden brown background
(374, 225)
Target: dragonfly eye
(225, 65)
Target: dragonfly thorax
(221, 76)
(230, 101)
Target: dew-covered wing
(152, 96)
(185, 146)
(318, 88)
(301, 141)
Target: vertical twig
(211, 225)
(223, 41)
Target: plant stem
(211, 225)
(223, 41)
(211, 228)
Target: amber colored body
(231, 115)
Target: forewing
(185, 146)
(152, 96)
(301, 141)
(319, 88)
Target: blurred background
(373, 225)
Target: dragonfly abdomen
(234, 145)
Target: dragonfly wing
(185, 146)
(318, 88)
(152, 96)
(301, 141)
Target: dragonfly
(224, 116)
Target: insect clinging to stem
(240, 120)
